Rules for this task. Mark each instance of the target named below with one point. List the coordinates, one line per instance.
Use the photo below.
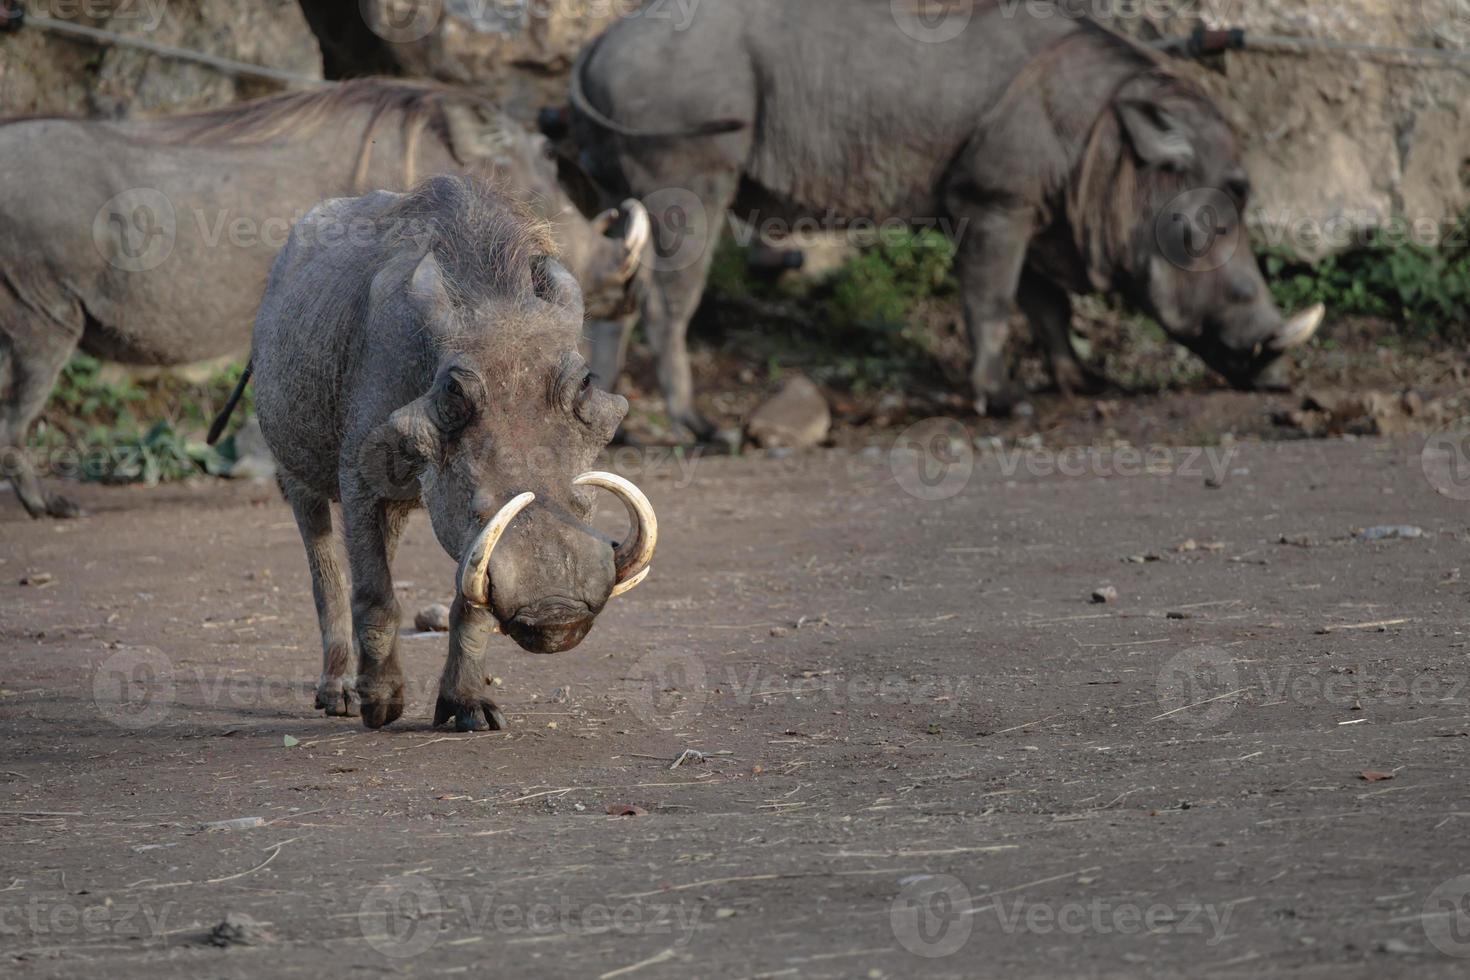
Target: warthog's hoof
(481, 715)
(62, 507)
(381, 701)
(337, 700)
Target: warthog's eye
(454, 408)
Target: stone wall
(44, 72)
(1337, 142)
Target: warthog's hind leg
(335, 690)
(30, 360)
(1048, 309)
(462, 688)
(372, 527)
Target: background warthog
(1057, 153)
(431, 359)
(148, 242)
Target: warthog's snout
(1242, 352)
(551, 625)
(549, 580)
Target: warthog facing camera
(429, 358)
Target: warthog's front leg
(462, 689)
(372, 528)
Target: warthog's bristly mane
(486, 244)
(299, 114)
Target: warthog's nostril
(557, 611)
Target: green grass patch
(103, 429)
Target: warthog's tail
(586, 108)
(223, 418)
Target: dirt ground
(927, 751)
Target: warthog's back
(312, 332)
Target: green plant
(1422, 289)
(878, 290)
(126, 431)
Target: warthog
(149, 241)
(431, 359)
(1059, 155)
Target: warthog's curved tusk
(634, 554)
(625, 587)
(1299, 329)
(640, 230)
(604, 221)
(474, 580)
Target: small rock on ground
(797, 417)
(432, 619)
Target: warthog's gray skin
(430, 358)
(172, 273)
(1051, 146)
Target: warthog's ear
(395, 454)
(557, 286)
(426, 290)
(1158, 137)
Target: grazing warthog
(149, 241)
(420, 349)
(1059, 155)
